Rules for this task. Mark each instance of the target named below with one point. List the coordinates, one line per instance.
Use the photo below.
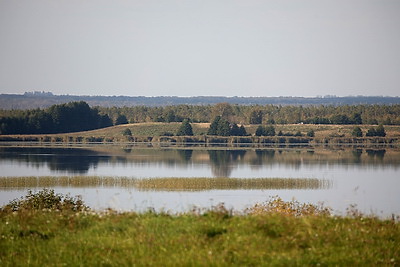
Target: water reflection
(185, 154)
(379, 154)
(75, 161)
(357, 155)
(264, 156)
(221, 163)
(168, 177)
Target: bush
(46, 199)
(357, 132)
(127, 132)
(298, 133)
(92, 139)
(238, 131)
(260, 131)
(265, 131)
(379, 131)
(166, 134)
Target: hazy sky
(202, 47)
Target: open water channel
(238, 177)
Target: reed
(201, 184)
(24, 182)
(162, 184)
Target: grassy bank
(49, 230)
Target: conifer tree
(185, 129)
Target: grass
(162, 184)
(267, 236)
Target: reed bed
(163, 184)
(24, 182)
(200, 184)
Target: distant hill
(46, 99)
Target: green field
(48, 229)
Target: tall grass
(273, 237)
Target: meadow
(50, 229)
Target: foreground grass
(67, 233)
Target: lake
(176, 179)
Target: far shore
(163, 133)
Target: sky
(200, 47)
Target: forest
(79, 116)
(63, 118)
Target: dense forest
(64, 118)
(78, 116)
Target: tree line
(257, 114)
(64, 118)
(31, 100)
(224, 117)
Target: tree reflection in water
(185, 154)
(223, 161)
(69, 160)
(379, 154)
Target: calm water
(368, 178)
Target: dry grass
(289, 208)
(114, 133)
